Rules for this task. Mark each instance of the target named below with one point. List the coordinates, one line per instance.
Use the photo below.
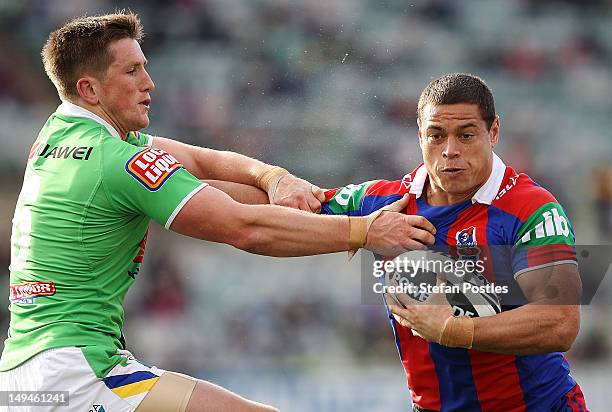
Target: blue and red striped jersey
(509, 210)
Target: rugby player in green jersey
(91, 186)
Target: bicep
(187, 154)
(210, 215)
(555, 285)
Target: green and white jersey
(79, 234)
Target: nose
(451, 150)
(149, 86)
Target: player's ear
(494, 132)
(419, 133)
(86, 88)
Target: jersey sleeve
(545, 238)
(139, 139)
(362, 199)
(147, 181)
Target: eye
(467, 136)
(435, 138)
(131, 71)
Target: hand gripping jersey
(509, 209)
(79, 235)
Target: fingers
(297, 193)
(421, 222)
(422, 236)
(295, 202)
(402, 316)
(414, 237)
(398, 205)
(318, 193)
(314, 204)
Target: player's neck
(100, 112)
(436, 196)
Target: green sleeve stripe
(548, 225)
(348, 198)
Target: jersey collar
(484, 195)
(73, 110)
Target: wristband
(457, 332)
(275, 173)
(358, 231)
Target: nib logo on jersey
(547, 222)
(97, 408)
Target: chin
(143, 123)
(454, 189)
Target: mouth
(146, 103)
(452, 171)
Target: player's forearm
(229, 166)
(290, 232)
(528, 330)
(241, 193)
(211, 164)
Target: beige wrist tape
(358, 231)
(458, 332)
(272, 175)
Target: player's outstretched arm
(282, 187)
(241, 193)
(279, 231)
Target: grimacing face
(457, 148)
(124, 92)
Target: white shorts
(66, 369)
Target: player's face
(457, 148)
(124, 94)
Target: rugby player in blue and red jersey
(512, 361)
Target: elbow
(245, 239)
(567, 340)
(249, 239)
(566, 332)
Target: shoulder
(521, 196)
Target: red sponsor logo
(31, 290)
(152, 167)
(141, 248)
(33, 150)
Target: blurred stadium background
(328, 89)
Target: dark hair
(81, 45)
(456, 88)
